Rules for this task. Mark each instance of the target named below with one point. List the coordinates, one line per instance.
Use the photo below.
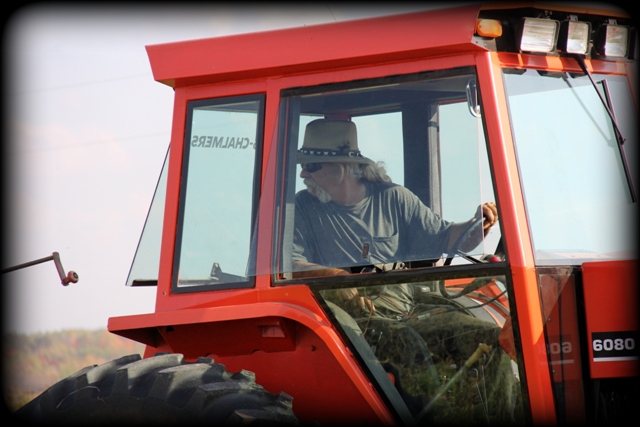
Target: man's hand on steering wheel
(489, 214)
(352, 295)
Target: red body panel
(343, 44)
(563, 341)
(269, 339)
(517, 240)
(613, 327)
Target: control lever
(65, 278)
(481, 350)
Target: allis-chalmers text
(221, 142)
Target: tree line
(31, 363)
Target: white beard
(315, 190)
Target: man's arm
(304, 269)
(489, 214)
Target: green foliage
(34, 362)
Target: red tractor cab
(413, 304)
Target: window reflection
(423, 334)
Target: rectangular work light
(612, 40)
(537, 35)
(574, 37)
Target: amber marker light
(488, 28)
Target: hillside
(34, 362)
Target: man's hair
(371, 173)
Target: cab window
(426, 131)
(217, 200)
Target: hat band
(331, 153)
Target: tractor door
(442, 349)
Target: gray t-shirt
(390, 224)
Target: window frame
(288, 131)
(260, 98)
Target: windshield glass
(577, 196)
(384, 171)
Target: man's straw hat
(327, 140)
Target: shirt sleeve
(428, 232)
(301, 250)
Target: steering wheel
(455, 248)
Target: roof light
(537, 35)
(612, 40)
(488, 28)
(574, 36)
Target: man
(352, 216)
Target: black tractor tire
(160, 390)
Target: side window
(218, 197)
(146, 262)
(381, 136)
(416, 147)
(464, 160)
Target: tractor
(533, 107)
